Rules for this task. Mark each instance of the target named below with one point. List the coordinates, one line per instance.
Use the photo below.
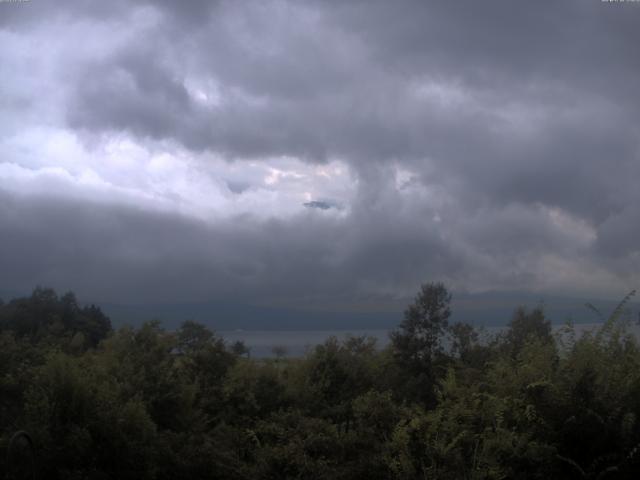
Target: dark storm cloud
(124, 253)
(315, 81)
(517, 123)
(135, 93)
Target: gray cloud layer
(493, 145)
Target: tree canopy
(149, 403)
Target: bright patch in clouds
(121, 171)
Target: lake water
(297, 342)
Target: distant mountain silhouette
(488, 309)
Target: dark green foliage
(45, 317)
(525, 327)
(147, 403)
(419, 337)
(417, 344)
(240, 349)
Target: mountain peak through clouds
(320, 204)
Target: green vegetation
(146, 403)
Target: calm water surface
(298, 342)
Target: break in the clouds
(287, 150)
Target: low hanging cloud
(287, 150)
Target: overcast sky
(291, 151)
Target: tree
(280, 351)
(193, 336)
(526, 326)
(418, 341)
(425, 322)
(240, 349)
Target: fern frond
(597, 312)
(610, 323)
(618, 310)
(573, 464)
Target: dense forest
(439, 402)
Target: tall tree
(526, 326)
(418, 341)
